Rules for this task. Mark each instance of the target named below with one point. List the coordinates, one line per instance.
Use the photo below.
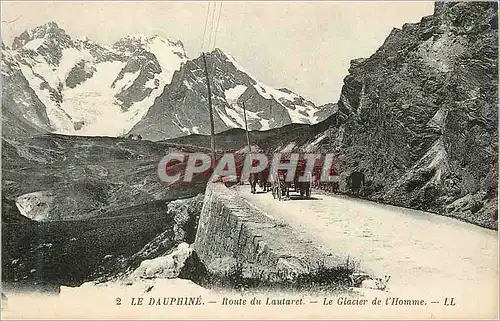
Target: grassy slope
(105, 192)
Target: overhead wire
(217, 27)
(205, 29)
(211, 29)
(214, 7)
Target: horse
(261, 178)
(284, 185)
(264, 180)
(254, 178)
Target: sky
(305, 46)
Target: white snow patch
(262, 91)
(237, 113)
(264, 124)
(126, 81)
(57, 117)
(298, 117)
(47, 72)
(179, 124)
(60, 118)
(288, 148)
(228, 121)
(169, 63)
(150, 84)
(70, 57)
(439, 162)
(168, 60)
(251, 115)
(281, 97)
(437, 53)
(234, 115)
(314, 144)
(439, 154)
(239, 118)
(277, 94)
(188, 86)
(34, 44)
(94, 103)
(233, 94)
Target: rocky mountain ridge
(420, 116)
(186, 99)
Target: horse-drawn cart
(301, 183)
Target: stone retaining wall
(232, 231)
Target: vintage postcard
(249, 160)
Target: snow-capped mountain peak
(183, 106)
(300, 109)
(48, 29)
(84, 85)
(83, 39)
(144, 85)
(135, 42)
(47, 33)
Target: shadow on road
(298, 197)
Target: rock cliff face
(420, 115)
(22, 112)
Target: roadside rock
(167, 267)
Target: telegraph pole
(333, 127)
(210, 110)
(330, 138)
(246, 127)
